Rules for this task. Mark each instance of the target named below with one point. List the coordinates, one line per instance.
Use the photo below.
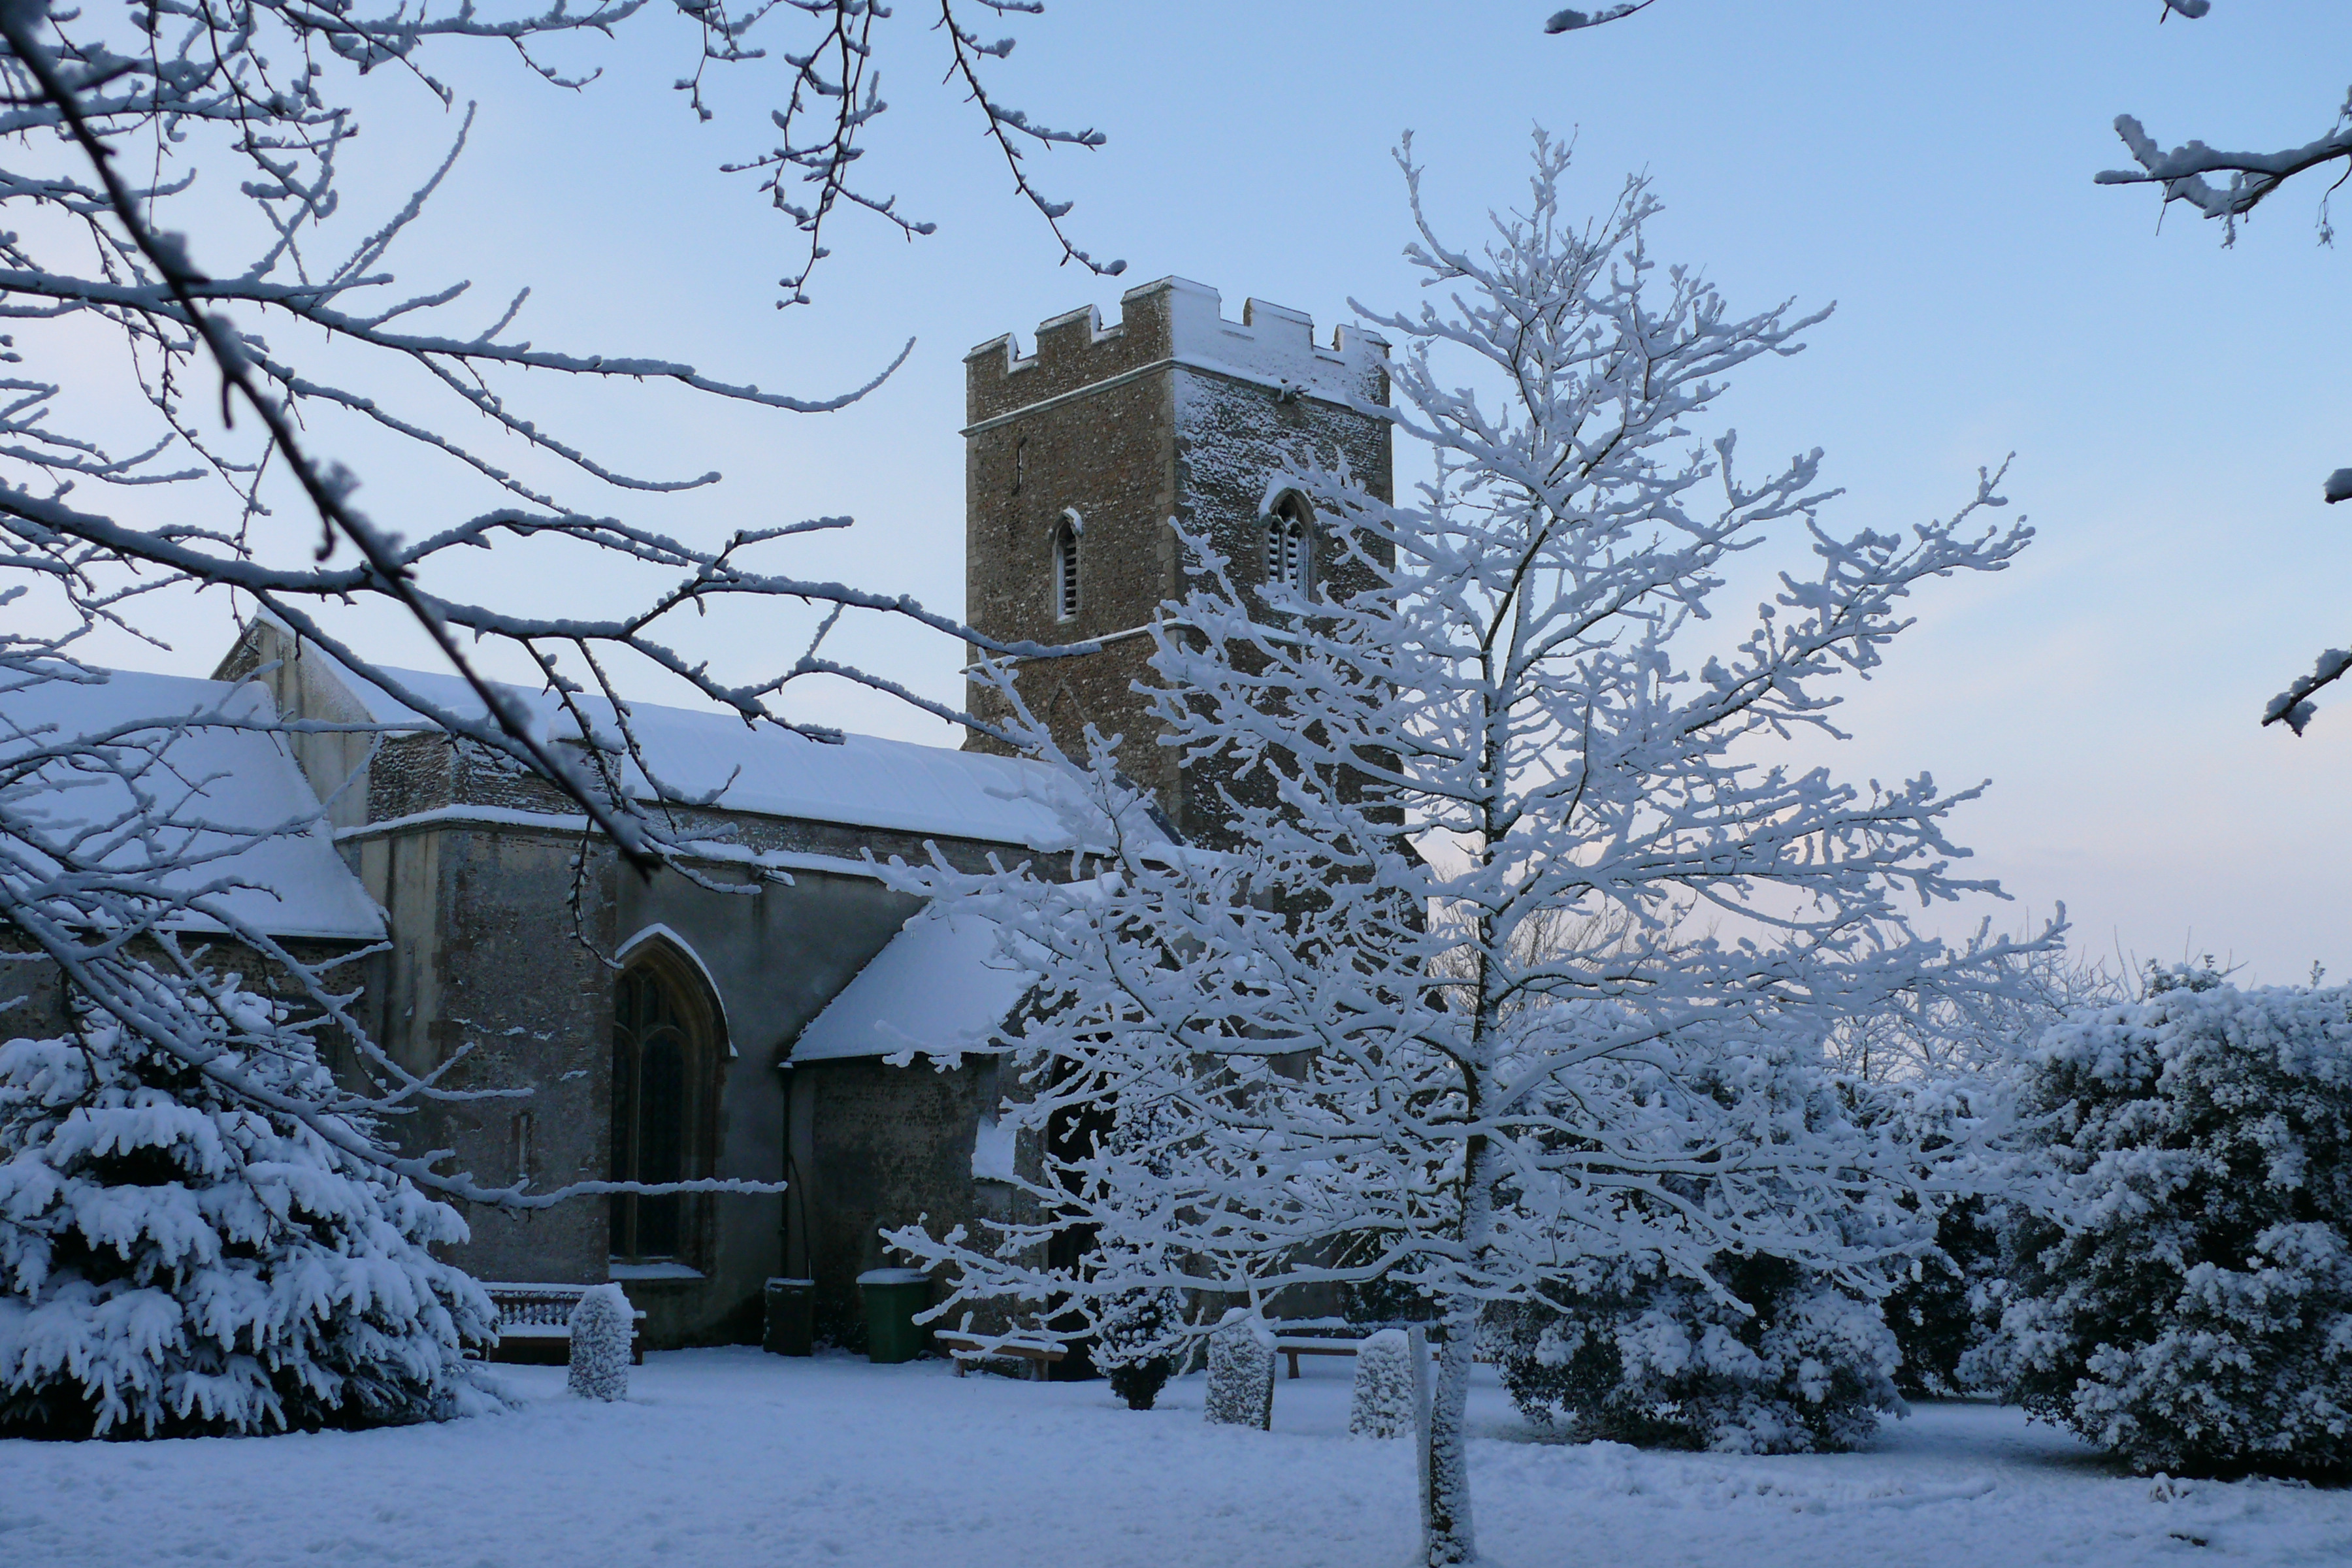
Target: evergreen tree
(1942, 1317)
(1140, 1334)
(177, 1261)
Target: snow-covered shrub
(1381, 1404)
(174, 1263)
(1137, 1344)
(1241, 1372)
(1942, 1318)
(601, 1327)
(1653, 1359)
(2189, 1305)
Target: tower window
(1289, 544)
(1020, 463)
(1066, 567)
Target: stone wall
(486, 960)
(876, 1147)
(485, 965)
(1171, 416)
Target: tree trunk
(1447, 1537)
(1445, 1533)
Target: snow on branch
(1572, 21)
(169, 311)
(245, 344)
(2252, 175)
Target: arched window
(1066, 567)
(1289, 544)
(664, 1052)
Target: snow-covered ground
(728, 1457)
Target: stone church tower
(1079, 459)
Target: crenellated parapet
(1169, 323)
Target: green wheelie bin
(893, 1297)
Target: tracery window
(1289, 544)
(664, 1052)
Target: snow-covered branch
(1517, 951)
(195, 1038)
(2252, 177)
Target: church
(785, 1022)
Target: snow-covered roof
(863, 781)
(250, 817)
(939, 986)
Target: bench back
(538, 1306)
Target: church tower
(1079, 457)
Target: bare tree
(245, 338)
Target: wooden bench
(535, 1325)
(1295, 1348)
(965, 1349)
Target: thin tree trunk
(1447, 1536)
(1447, 1540)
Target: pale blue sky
(2173, 405)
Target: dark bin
(893, 1297)
(792, 1318)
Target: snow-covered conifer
(175, 1260)
(1513, 918)
(1140, 1336)
(601, 1326)
(1380, 1403)
(1241, 1372)
(2186, 1302)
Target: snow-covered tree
(1142, 1337)
(115, 114)
(1924, 1056)
(204, 313)
(177, 1260)
(1502, 709)
(2185, 1300)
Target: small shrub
(601, 1327)
(1241, 1372)
(1656, 1360)
(1381, 1403)
(1136, 1343)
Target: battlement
(1174, 321)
